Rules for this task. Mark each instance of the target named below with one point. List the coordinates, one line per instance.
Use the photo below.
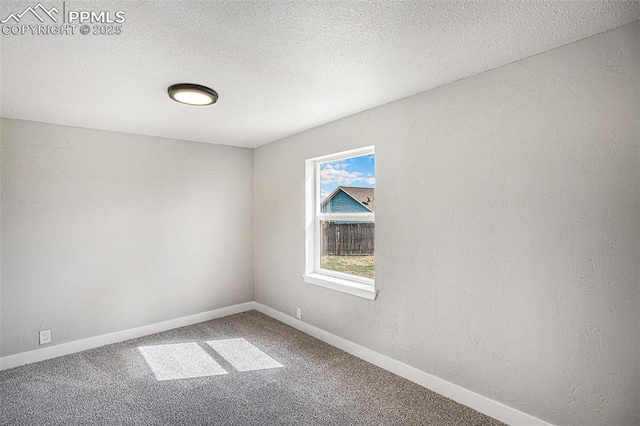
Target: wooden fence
(347, 239)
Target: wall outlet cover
(45, 337)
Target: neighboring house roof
(364, 196)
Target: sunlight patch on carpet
(180, 361)
(242, 355)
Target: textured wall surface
(106, 231)
(0, 223)
(0, 201)
(512, 267)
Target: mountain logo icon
(39, 11)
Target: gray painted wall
(512, 269)
(0, 222)
(0, 205)
(105, 231)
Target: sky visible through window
(355, 171)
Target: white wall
(105, 231)
(507, 242)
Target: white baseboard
(55, 351)
(480, 403)
(464, 396)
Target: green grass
(362, 266)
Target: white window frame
(314, 273)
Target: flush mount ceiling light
(192, 94)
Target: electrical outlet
(298, 313)
(45, 337)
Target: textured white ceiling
(280, 67)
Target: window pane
(348, 247)
(348, 185)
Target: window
(340, 221)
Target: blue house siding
(343, 203)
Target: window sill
(339, 284)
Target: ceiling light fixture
(192, 94)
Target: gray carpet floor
(261, 372)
